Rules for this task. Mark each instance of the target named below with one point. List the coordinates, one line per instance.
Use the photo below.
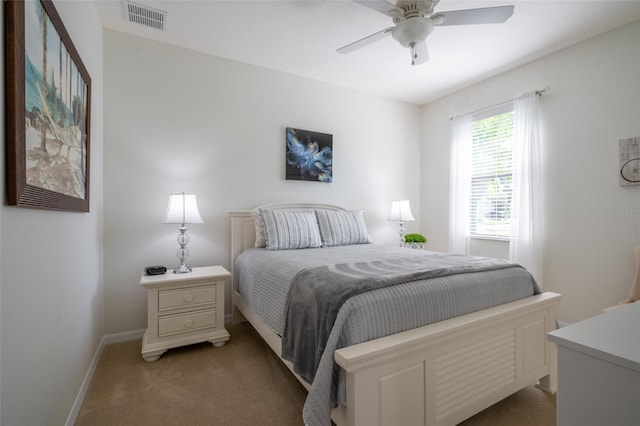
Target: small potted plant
(415, 241)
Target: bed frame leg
(545, 384)
(549, 383)
(236, 316)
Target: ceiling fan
(415, 19)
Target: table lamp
(182, 209)
(401, 213)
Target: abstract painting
(48, 111)
(309, 155)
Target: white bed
(438, 374)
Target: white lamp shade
(183, 208)
(401, 211)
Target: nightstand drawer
(186, 322)
(194, 296)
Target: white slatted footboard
(444, 373)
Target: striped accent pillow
(285, 230)
(260, 241)
(340, 228)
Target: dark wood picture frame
(48, 122)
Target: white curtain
(460, 183)
(526, 203)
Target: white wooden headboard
(243, 228)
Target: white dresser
(183, 309)
(599, 369)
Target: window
(496, 180)
(491, 174)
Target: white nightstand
(183, 309)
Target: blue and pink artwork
(309, 155)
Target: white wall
(592, 223)
(50, 273)
(177, 120)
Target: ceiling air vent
(144, 15)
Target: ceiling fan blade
(419, 53)
(379, 6)
(487, 15)
(365, 41)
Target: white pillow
(339, 228)
(290, 229)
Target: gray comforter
(265, 278)
(316, 295)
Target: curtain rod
(538, 92)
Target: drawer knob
(188, 298)
(188, 323)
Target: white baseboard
(127, 336)
(82, 392)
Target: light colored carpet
(241, 383)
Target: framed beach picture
(309, 155)
(48, 110)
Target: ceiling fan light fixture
(412, 30)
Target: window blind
(491, 178)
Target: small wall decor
(48, 110)
(309, 155)
(629, 167)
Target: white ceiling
(301, 37)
